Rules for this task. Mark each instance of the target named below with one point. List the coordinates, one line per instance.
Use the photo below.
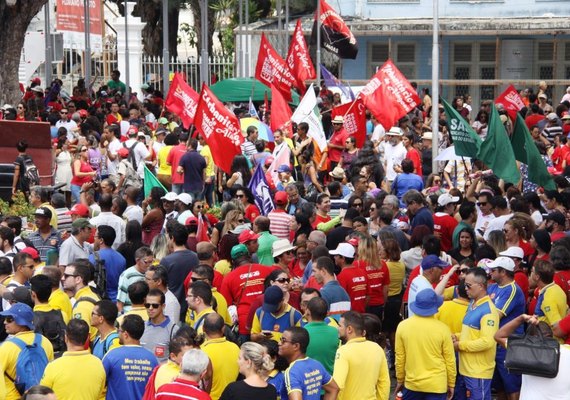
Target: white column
(135, 27)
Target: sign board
(71, 21)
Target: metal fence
(220, 67)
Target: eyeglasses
(65, 276)
(95, 313)
(239, 196)
(198, 279)
(63, 112)
(82, 150)
(8, 319)
(152, 305)
(147, 261)
(357, 204)
(283, 280)
(283, 340)
(198, 207)
(470, 285)
(481, 203)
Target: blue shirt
(405, 182)
(337, 299)
(308, 271)
(128, 369)
(422, 217)
(307, 376)
(277, 379)
(101, 347)
(509, 301)
(115, 264)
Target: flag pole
(435, 86)
(319, 43)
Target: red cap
(269, 160)
(353, 241)
(281, 198)
(247, 235)
(133, 130)
(83, 113)
(37, 81)
(123, 152)
(79, 209)
(31, 251)
(191, 220)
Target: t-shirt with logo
(307, 376)
(354, 281)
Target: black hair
(157, 293)
(354, 319)
(326, 264)
(160, 272)
(485, 251)
(431, 245)
(479, 273)
(22, 146)
(178, 233)
(299, 336)
(272, 348)
(41, 286)
(5, 266)
(77, 331)
(107, 234)
(84, 269)
(204, 271)
(108, 310)
(318, 308)
(213, 323)
(466, 209)
(134, 325)
(14, 223)
(202, 290)
(137, 292)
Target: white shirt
(141, 153)
(112, 148)
(496, 224)
(537, 388)
(115, 222)
(378, 133)
(172, 306)
(393, 155)
(419, 283)
(482, 221)
(133, 213)
(69, 125)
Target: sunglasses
(239, 196)
(8, 319)
(462, 271)
(372, 208)
(469, 285)
(357, 204)
(64, 113)
(481, 203)
(283, 280)
(65, 276)
(152, 305)
(198, 279)
(198, 207)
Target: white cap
(343, 249)
(552, 117)
(170, 196)
(395, 131)
(513, 251)
(503, 262)
(446, 199)
(185, 198)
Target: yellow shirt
(477, 346)
(66, 376)
(166, 373)
(9, 356)
(451, 313)
(47, 307)
(426, 362)
(83, 309)
(448, 293)
(356, 382)
(140, 311)
(397, 274)
(59, 300)
(2, 386)
(163, 167)
(193, 318)
(553, 306)
(223, 355)
(207, 154)
(223, 267)
(222, 306)
(276, 323)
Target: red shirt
(558, 156)
(414, 155)
(443, 227)
(252, 212)
(527, 248)
(522, 280)
(377, 278)
(319, 219)
(84, 167)
(312, 283)
(337, 138)
(454, 280)
(532, 120)
(354, 281)
(242, 286)
(557, 236)
(173, 158)
(564, 325)
(181, 389)
(562, 279)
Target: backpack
(132, 157)
(51, 325)
(30, 175)
(100, 276)
(31, 363)
(132, 178)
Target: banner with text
(70, 19)
(299, 59)
(511, 100)
(354, 114)
(466, 141)
(182, 100)
(271, 68)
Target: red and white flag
(511, 100)
(389, 95)
(354, 114)
(271, 68)
(299, 60)
(220, 127)
(280, 112)
(182, 100)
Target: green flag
(466, 141)
(526, 152)
(150, 181)
(496, 151)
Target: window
(474, 61)
(403, 55)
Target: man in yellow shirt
(452, 311)
(103, 318)
(223, 354)
(168, 371)
(18, 321)
(551, 304)
(425, 363)
(64, 374)
(476, 344)
(353, 379)
(199, 301)
(205, 273)
(76, 277)
(58, 299)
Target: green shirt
(455, 237)
(117, 86)
(265, 242)
(323, 343)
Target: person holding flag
(337, 141)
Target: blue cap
(284, 168)
(272, 299)
(427, 303)
(22, 313)
(433, 261)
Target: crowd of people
(374, 275)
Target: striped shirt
(181, 389)
(127, 278)
(280, 224)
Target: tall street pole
(127, 94)
(165, 52)
(319, 43)
(87, 45)
(49, 51)
(204, 73)
(435, 85)
(247, 44)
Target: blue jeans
(412, 395)
(75, 194)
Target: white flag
(307, 111)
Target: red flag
(271, 68)
(299, 60)
(511, 100)
(336, 37)
(182, 100)
(220, 128)
(202, 233)
(389, 95)
(280, 112)
(354, 114)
